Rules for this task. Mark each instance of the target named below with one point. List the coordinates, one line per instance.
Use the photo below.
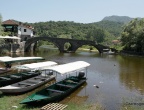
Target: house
(19, 29)
(115, 41)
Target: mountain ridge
(115, 18)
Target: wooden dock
(54, 106)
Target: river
(119, 78)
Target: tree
(133, 36)
(98, 35)
(1, 28)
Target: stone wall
(10, 48)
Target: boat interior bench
(74, 78)
(5, 78)
(24, 83)
(31, 72)
(64, 85)
(40, 78)
(71, 81)
(34, 81)
(26, 74)
(15, 76)
(53, 90)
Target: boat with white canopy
(10, 37)
(31, 83)
(60, 89)
(9, 60)
(33, 69)
(39, 66)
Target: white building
(16, 28)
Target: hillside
(115, 28)
(122, 19)
(102, 32)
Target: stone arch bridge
(60, 42)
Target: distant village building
(18, 33)
(19, 29)
(115, 41)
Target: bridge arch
(67, 46)
(35, 39)
(59, 42)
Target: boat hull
(7, 79)
(55, 96)
(22, 87)
(3, 70)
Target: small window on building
(25, 30)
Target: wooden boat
(27, 85)
(36, 67)
(9, 60)
(13, 78)
(60, 89)
(4, 70)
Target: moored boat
(4, 70)
(13, 78)
(9, 60)
(27, 85)
(63, 88)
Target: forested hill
(103, 31)
(122, 19)
(115, 28)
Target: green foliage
(115, 28)
(96, 35)
(67, 45)
(133, 36)
(43, 43)
(102, 32)
(1, 28)
(6, 33)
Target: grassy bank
(12, 103)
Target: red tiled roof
(10, 22)
(14, 22)
(115, 41)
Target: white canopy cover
(38, 65)
(17, 59)
(69, 67)
(9, 37)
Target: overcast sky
(80, 11)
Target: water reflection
(132, 73)
(75, 98)
(117, 76)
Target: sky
(80, 11)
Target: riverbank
(131, 53)
(12, 102)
